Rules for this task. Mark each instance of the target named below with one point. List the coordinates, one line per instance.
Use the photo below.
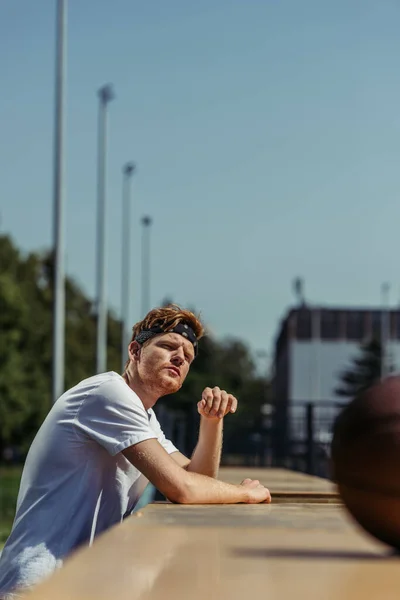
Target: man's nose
(178, 358)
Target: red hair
(168, 317)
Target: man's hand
(216, 403)
(257, 492)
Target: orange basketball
(366, 460)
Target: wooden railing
(303, 546)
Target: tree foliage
(26, 299)
(364, 372)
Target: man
(101, 444)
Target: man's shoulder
(103, 378)
(105, 389)
(95, 383)
(103, 385)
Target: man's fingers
(207, 396)
(232, 403)
(228, 404)
(213, 399)
(217, 400)
(207, 393)
(268, 499)
(251, 483)
(223, 406)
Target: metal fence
(298, 437)
(309, 431)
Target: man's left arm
(213, 407)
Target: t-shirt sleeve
(114, 416)
(156, 427)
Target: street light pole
(58, 203)
(316, 315)
(127, 172)
(385, 329)
(105, 94)
(146, 222)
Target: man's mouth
(174, 370)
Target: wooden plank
(298, 498)
(278, 480)
(306, 498)
(305, 551)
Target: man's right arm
(183, 487)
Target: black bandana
(182, 328)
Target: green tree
(23, 335)
(364, 372)
(26, 302)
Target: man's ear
(134, 350)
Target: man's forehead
(178, 339)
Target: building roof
(336, 323)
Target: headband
(182, 328)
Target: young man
(101, 444)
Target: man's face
(163, 362)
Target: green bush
(9, 485)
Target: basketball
(366, 460)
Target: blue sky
(266, 136)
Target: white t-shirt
(76, 483)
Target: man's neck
(148, 400)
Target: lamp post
(105, 94)
(316, 315)
(127, 172)
(58, 203)
(146, 223)
(385, 329)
